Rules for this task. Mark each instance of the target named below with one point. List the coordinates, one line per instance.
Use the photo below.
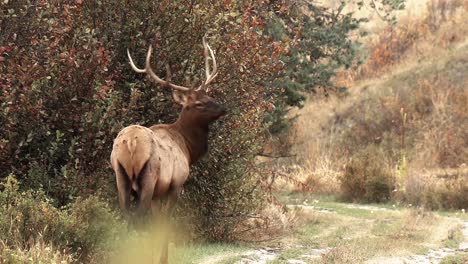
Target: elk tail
(131, 145)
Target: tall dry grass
(38, 252)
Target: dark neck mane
(195, 134)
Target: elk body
(154, 163)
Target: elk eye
(198, 104)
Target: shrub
(36, 253)
(367, 177)
(94, 227)
(28, 219)
(26, 215)
(391, 45)
(450, 194)
(441, 104)
(57, 122)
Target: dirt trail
(309, 254)
(263, 256)
(259, 256)
(464, 245)
(360, 228)
(434, 256)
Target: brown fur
(167, 151)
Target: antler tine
(215, 67)
(159, 80)
(205, 53)
(151, 73)
(135, 68)
(209, 75)
(148, 67)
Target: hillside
(399, 132)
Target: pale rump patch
(136, 145)
(132, 149)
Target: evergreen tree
(319, 43)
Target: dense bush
(28, 218)
(67, 89)
(367, 177)
(448, 195)
(446, 190)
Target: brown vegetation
(392, 134)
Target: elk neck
(195, 133)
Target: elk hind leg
(124, 188)
(146, 182)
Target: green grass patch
(383, 227)
(350, 210)
(459, 258)
(455, 237)
(291, 253)
(309, 234)
(199, 253)
(452, 213)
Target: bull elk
(153, 163)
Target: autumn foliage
(67, 90)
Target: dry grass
(38, 252)
(270, 223)
(367, 177)
(319, 178)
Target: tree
(319, 42)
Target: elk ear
(180, 97)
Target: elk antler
(208, 52)
(151, 73)
(212, 75)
